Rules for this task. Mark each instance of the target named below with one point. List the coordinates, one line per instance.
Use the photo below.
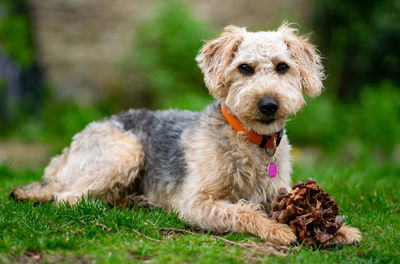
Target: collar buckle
(270, 151)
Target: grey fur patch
(160, 134)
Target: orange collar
(267, 142)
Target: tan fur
(216, 55)
(307, 59)
(226, 187)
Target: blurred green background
(66, 63)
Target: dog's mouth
(267, 121)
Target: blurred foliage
(360, 40)
(164, 58)
(55, 124)
(15, 31)
(359, 128)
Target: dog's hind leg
(36, 191)
(103, 160)
(44, 190)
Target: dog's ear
(307, 59)
(216, 55)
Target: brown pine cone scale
(309, 211)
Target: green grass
(368, 196)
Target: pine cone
(309, 211)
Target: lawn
(368, 196)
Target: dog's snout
(267, 106)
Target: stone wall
(80, 42)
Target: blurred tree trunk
(360, 40)
(21, 88)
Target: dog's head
(260, 76)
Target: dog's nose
(267, 106)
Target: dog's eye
(282, 67)
(246, 69)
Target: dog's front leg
(347, 235)
(223, 216)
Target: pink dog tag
(272, 170)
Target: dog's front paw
(279, 233)
(346, 235)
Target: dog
(220, 168)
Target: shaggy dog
(219, 168)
